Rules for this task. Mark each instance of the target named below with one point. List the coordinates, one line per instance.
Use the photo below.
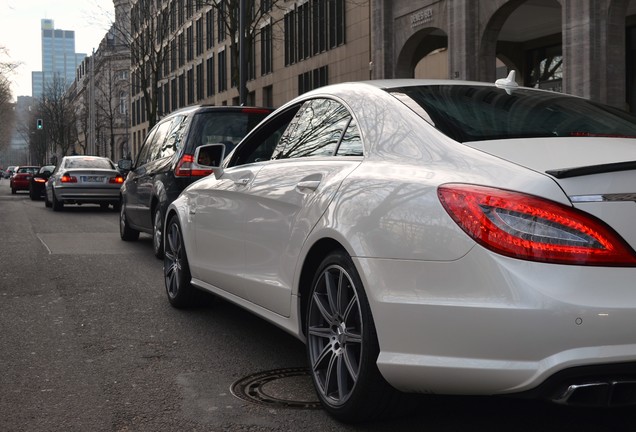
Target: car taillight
(39, 180)
(118, 179)
(184, 166)
(187, 168)
(68, 179)
(532, 228)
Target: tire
(125, 231)
(33, 195)
(342, 345)
(13, 191)
(157, 233)
(176, 271)
(57, 205)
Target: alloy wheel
(334, 338)
(172, 261)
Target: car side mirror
(124, 164)
(211, 156)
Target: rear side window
(315, 131)
(210, 127)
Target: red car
(22, 177)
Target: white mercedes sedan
(433, 237)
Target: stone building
(101, 95)
(583, 47)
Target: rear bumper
(486, 325)
(87, 195)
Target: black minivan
(165, 164)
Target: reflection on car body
(417, 236)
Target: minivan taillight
(187, 168)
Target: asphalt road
(88, 342)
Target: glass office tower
(59, 58)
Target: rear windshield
(223, 127)
(89, 162)
(31, 170)
(477, 113)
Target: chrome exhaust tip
(599, 393)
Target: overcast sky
(20, 31)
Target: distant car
(435, 237)
(9, 172)
(165, 164)
(84, 180)
(38, 182)
(21, 179)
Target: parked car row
(420, 236)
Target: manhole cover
(289, 388)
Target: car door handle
(242, 182)
(308, 184)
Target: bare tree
(7, 114)
(147, 33)
(58, 116)
(228, 13)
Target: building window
(199, 36)
(182, 90)
(209, 29)
(181, 12)
(268, 96)
(173, 56)
(313, 79)
(222, 65)
(173, 94)
(313, 27)
(190, 79)
(190, 43)
(181, 42)
(210, 76)
(166, 98)
(200, 86)
(266, 50)
(220, 16)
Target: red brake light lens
(39, 180)
(68, 179)
(187, 168)
(532, 228)
(184, 166)
(118, 180)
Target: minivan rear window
(210, 127)
(476, 113)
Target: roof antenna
(509, 83)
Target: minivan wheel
(342, 345)
(125, 231)
(176, 270)
(157, 234)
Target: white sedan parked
(437, 237)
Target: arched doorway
(524, 35)
(425, 53)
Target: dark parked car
(165, 164)
(38, 182)
(22, 177)
(84, 180)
